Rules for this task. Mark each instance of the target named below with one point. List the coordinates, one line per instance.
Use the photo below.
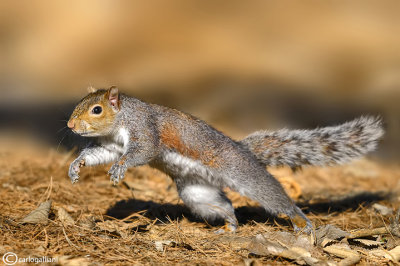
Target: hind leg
(208, 202)
(265, 189)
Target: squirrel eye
(97, 110)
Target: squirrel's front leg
(136, 155)
(93, 155)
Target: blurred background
(239, 65)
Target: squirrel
(201, 160)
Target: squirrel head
(94, 115)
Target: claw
(301, 224)
(227, 228)
(74, 170)
(74, 179)
(117, 173)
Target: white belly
(122, 138)
(118, 143)
(178, 166)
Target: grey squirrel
(201, 160)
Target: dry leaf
(283, 244)
(300, 255)
(111, 227)
(117, 227)
(325, 234)
(39, 215)
(394, 226)
(350, 257)
(262, 246)
(327, 241)
(64, 217)
(87, 223)
(160, 244)
(382, 209)
(368, 232)
(368, 243)
(393, 255)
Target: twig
(69, 241)
(368, 232)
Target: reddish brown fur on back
(170, 137)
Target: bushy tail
(321, 146)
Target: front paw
(74, 170)
(117, 172)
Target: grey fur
(321, 146)
(202, 160)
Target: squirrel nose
(71, 123)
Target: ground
(142, 220)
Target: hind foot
(227, 228)
(301, 223)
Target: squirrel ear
(113, 97)
(91, 89)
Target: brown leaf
(382, 209)
(283, 244)
(350, 257)
(367, 243)
(117, 227)
(328, 232)
(39, 215)
(64, 217)
(393, 255)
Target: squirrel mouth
(83, 133)
(86, 134)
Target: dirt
(142, 220)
